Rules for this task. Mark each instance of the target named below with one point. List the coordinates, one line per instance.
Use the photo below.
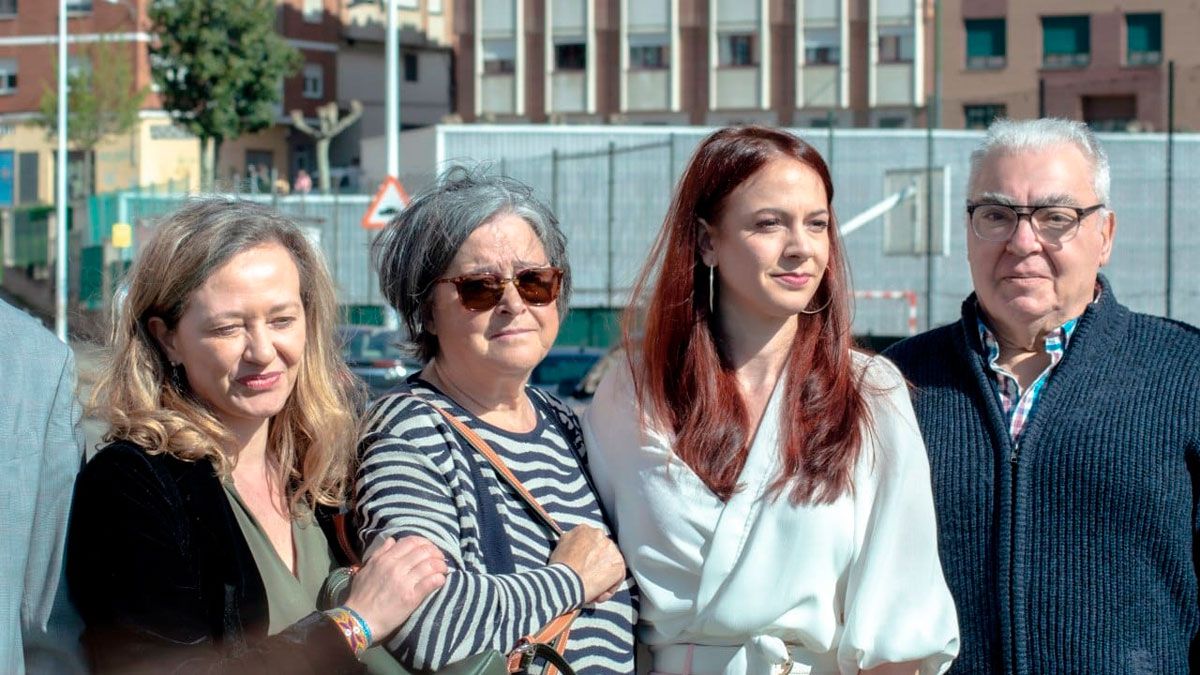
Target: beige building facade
(791, 62)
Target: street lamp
(391, 55)
(60, 210)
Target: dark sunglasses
(481, 292)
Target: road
(87, 360)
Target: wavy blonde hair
(311, 441)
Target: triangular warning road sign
(390, 199)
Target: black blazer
(165, 581)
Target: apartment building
(426, 84)
(28, 52)
(791, 62)
(1103, 63)
(155, 151)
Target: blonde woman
(195, 543)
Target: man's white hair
(1007, 136)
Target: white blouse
(756, 581)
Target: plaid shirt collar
(1019, 405)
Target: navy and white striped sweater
(415, 479)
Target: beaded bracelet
(352, 626)
(366, 629)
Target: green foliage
(219, 64)
(101, 100)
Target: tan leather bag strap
(498, 464)
(556, 632)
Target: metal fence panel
(570, 168)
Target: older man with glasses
(1063, 429)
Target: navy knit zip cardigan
(1075, 550)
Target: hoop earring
(712, 274)
(820, 309)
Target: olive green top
(293, 597)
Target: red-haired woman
(768, 483)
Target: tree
(329, 124)
(219, 65)
(101, 100)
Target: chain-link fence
(610, 187)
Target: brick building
(155, 151)
(1105, 64)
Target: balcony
(986, 62)
(498, 94)
(820, 86)
(1144, 58)
(891, 11)
(737, 88)
(1066, 61)
(648, 90)
(894, 84)
(569, 89)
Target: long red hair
(681, 371)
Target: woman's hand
(394, 581)
(595, 558)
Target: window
(649, 51)
(314, 80)
(8, 76)
(1110, 113)
(27, 178)
(1143, 39)
(981, 116)
(411, 73)
(570, 56)
(408, 4)
(737, 49)
(1066, 41)
(8, 7)
(79, 5)
(435, 6)
(896, 44)
(648, 57)
(79, 70)
(822, 46)
(892, 122)
(499, 57)
(906, 227)
(314, 10)
(985, 43)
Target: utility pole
(1170, 269)
(60, 210)
(392, 73)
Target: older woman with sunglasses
(477, 268)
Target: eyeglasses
(481, 292)
(1052, 224)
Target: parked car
(374, 355)
(562, 369)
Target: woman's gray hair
(1005, 135)
(418, 245)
